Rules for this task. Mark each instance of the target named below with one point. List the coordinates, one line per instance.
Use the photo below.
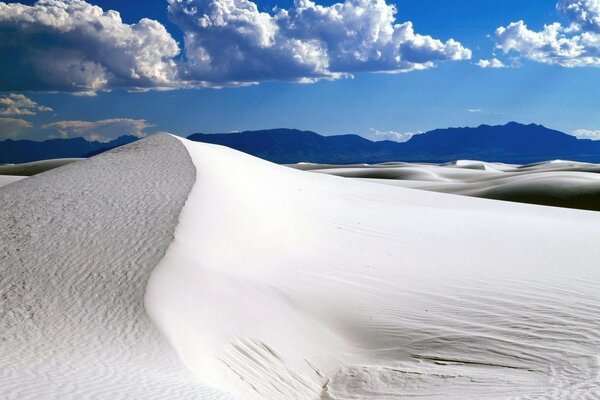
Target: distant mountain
(511, 143)
(291, 145)
(21, 151)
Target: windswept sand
(77, 245)
(6, 179)
(553, 183)
(35, 167)
(282, 284)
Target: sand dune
(78, 244)
(287, 285)
(554, 183)
(273, 283)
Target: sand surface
(6, 179)
(281, 284)
(77, 245)
(174, 269)
(554, 183)
(35, 167)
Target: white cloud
(229, 41)
(13, 128)
(392, 135)
(474, 110)
(576, 45)
(73, 46)
(18, 104)
(586, 134)
(77, 47)
(584, 13)
(103, 131)
(490, 63)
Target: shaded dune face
(282, 284)
(560, 184)
(35, 167)
(77, 245)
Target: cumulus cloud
(576, 45)
(392, 135)
(490, 63)
(18, 104)
(102, 131)
(13, 128)
(73, 46)
(70, 45)
(230, 41)
(584, 13)
(586, 134)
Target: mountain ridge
(511, 143)
(22, 151)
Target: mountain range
(22, 151)
(510, 143)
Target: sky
(380, 69)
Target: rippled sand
(282, 284)
(174, 269)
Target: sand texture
(554, 183)
(283, 284)
(78, 244)
(170, 269)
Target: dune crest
(77, 246)
(281, 284)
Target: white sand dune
(554, 183)
(283, 284)
(286, 285)
(77, 245)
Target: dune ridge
(78, 244)
(281, 284)
(173, 269)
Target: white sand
(6, 179)
(77, 245)
(281, 284)
(556, 183)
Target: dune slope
(77, 245)
(282, 284)
(554, 183)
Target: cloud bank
(231, 41)
(575, 45)
(18, 104)
(101, 131)
(586, 134)
(13, 128)
(392, 135)
(490, 63)
(73, 46)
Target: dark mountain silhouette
(20, 151)
(512, 143)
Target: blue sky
(552, 80)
